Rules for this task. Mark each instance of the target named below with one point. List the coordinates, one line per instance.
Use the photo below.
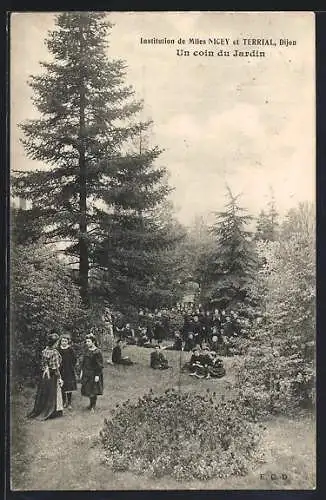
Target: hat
(52, 338)
(91, 336)
(65, 336)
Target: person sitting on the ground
(177, 345)
(205, 346)
(204, 362)
(143, 340)
(117, 357)
(128, 335)
(194, 361)
(190, 342)
(158, 360)
(205, 357)
(216, 370)
(177, 342)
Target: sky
(248, 122)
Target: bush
(43, 300)
(272, 381)
(184, 435)
(278, 373)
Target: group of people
(202, 333)
(58, 378)
(214, 328)
(188, 327)
(204, 363)
(157, 358)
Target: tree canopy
(98, 189)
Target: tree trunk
(83, 243)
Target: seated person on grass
(216, 340)
(204, 362)
(177, 346)
(158, 360)
(128, 335)
(143, 340)
(216, 370)
(189, 342)
(205, 357)
(191, 365)
(117, 358)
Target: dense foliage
(43, 300)
(184, 435)
(25, 226)
(138, 256)
(279, 369)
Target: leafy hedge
(43, 300)
(272, 381)
(184, 435)
(278, 372)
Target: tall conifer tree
(267, 222)
(87, 117)
(231, 265)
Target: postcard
(162, 251)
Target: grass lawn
(64, 453)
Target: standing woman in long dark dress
(92, 372)
(67, 371)
(48, 400)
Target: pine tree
(267, 222)
(231, 265)
(263, 227)
(137, 256)
(87, 117)
(273, 216)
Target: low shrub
(183, 435)
(272, 381)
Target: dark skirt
(217, 371)
(89, 387)
(69, 385)
(46, 400)
(67, 370)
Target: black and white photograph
(162, 251)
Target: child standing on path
(92, 372)
(67, 371)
